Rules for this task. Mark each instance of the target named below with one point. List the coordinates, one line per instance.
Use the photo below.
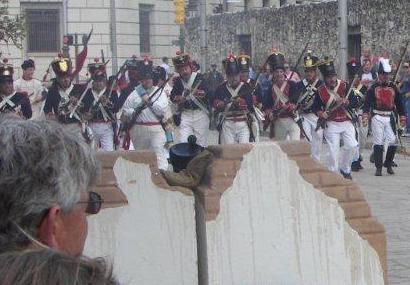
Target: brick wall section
(222, 171)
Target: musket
(117, 77)
(89, 85)
(401, 61)
(141, 107)
(291, 75)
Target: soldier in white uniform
(307, 89)
(144, 110)
(32, 87)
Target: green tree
(11, 27)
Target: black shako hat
(310, 61)
(230, 65)
(327, 67)
(145, 68)
(181, 154)
(276, 60)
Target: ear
(49, 228)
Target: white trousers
(194, 122)
(334, 133)
(235, 132)
(382, 131)
(150, 138)
(316, 137)
(103, 135)
(286, 128)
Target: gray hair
(41, 165)
(45, 266)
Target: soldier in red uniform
(382, 101)
(280, 105)
(332, 107)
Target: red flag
(79, 61)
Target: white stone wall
(82, 15)
(152, 240)
(275, 228)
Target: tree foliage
(11, 27)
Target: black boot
(378, 159)
(356, 166)
(391, 151)
(371, 159)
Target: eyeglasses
(94, 203)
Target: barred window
(43, 30)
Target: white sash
(234, 93)
(100, 106)
(188, 85)
(310, 89)
(332, 94)
(7, 101)
(188, 88)
(280, 97)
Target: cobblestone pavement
(389, 199)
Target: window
(265, 3)
(354, 42)
(283, 2)
(245, 44)
(43, 30)
(145, 29)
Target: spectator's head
(45, 177)
(45, 266)
(28, 68)
(366, 52)
(406, 67)
(165, 60)
(195, 66)
(367, 65)
(213, 66)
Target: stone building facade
(143, 27)
(379, 25)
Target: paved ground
(389, 199)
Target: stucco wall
(151, 240)
(257, 218)
(275, 228)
